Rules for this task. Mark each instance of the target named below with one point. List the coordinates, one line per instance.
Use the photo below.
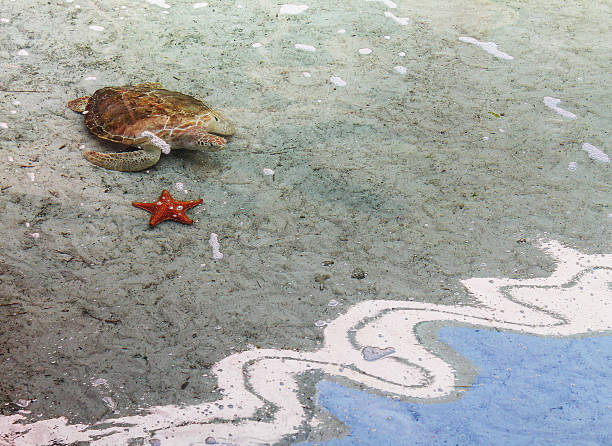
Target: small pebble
(358, 273)
(375, 353)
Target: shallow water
(407, 155)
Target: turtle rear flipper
(124, 161)
(78, 105)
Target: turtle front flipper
(124, 161)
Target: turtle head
(220, 124)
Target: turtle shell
(121, 114)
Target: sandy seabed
(399, 151)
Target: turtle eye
(216, 119)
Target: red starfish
(167, 208)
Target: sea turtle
(152, 118)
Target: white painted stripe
(373, 344)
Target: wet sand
(421, 162)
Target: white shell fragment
(214, 243)
(292, 9)
(337, 81)
(401, 20)
(304, 47)
(595, 153)
(160, 3)
(489, 47)
(553, 103)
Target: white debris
(23, 403)
(572, 166)
(400, 69)
(388, 3)
(90, 78)
(304, 47)
(99, 382)
(4, 125)
(4, 20)
(160, 3)
(268, 172)
(553, 103)
(489, 47)
(401, 20)
(338, 82)
(257, 45)
(109, 402)
(306, 74)
(179, 186)
(365, 51)
(320, 323)
(401, 54)
(35, 235)
(341, 31)
(31, 175)
(595, 153)
(23, 53)
(214, 243)
(200, 5)
(96, 28)
(292, 9)
(156, 140)
(371, 353)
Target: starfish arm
(189, 204)
(151, 207)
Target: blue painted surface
(535, 391)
